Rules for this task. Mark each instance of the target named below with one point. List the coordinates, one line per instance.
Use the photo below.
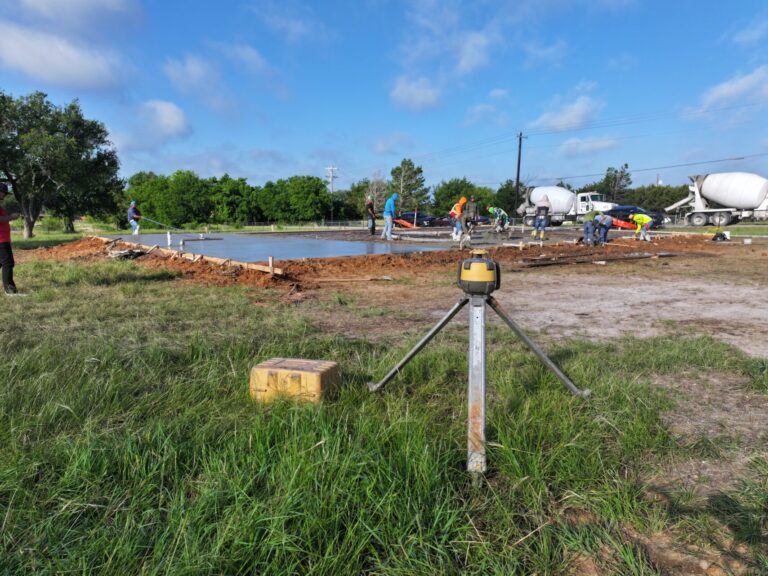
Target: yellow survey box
(293, 378)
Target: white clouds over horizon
(569, 116)
(197, 77)
(157, 122)
(741, 88)
(754, 33)
(292, 19)
(576, 147)
(391, 143)
(55, 59)
(414, 93)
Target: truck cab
(588, 201)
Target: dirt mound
(310, 273)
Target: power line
(732, 159)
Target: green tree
(55, 158)
(408, 182)
(354, 200)
(615, 183)
(655, 197)
(308, 197)
(507, 198)
(233, 201)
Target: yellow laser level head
(479, 274)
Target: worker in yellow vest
(643, 222)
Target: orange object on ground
(404, 223)
(623, 224)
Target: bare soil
(675, 285)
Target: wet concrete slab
(259, 247)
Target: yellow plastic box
(293, 378)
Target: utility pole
(331, 171)
(519, 156)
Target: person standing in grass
(6, 253)
(643, 222)
(389, 215)
(134, 216)
(371, 214)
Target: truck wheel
(529, 221)
(698, 219)
(721, 218)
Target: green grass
(128, 443)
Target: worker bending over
(643, 222)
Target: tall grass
(128, 443)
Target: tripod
(478, 277)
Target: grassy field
(128, 443)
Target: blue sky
(274, 88)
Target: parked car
(421, 218)
(622, 213)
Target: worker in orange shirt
(459, 218)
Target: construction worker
(389, 215)
(589, 227)
(456, 214)
(603, 223)
(371, 215)
(643, 222)
(134, 216)
(471, 210)
(500, 218)
(543, 206)
(6, 254)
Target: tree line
(57, 160)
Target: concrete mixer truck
(723, 198)
(566, 205)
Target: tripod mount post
(478, 276)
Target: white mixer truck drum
(735, 189)
(562, 199)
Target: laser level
(478, 277)
(479, 274)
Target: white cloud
(485, 112)
(56, 60)
(165, 119)
(156, 122)
(194, 76)
(552, 54)
(752, 34)
(414, 94)
(391, 143)
(247, 55)
(737, 89)
(569, 116)
(498, 94)
(473, 52)
(294, 20)
(578, 147)
(87, 18)
(53, 9)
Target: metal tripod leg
(536, 350)
(423, 342)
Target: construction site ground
(684, 285)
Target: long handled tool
(160, 223)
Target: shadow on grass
(745, 524)
(47, 242)
(116, 278)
